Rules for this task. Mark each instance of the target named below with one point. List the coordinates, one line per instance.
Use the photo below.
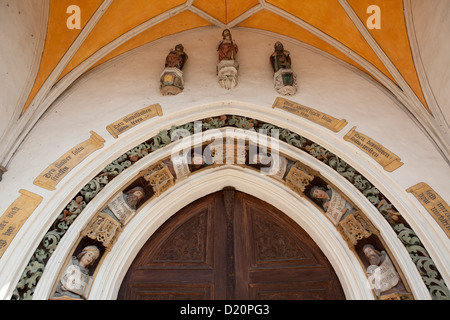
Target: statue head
(279, 46)
(179, 47)
(318, 193)
(135, 195)
(88, 256)
(226, 34)
(372, 255)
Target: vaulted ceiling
(337, 27)
(340, 29)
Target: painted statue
(334, 205)
(123, 206)
(285, 79)
(176, 57)
(75, 282)
(227, 69)
(383, 277)
(227, 48)
(172, 81)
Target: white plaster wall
(432, 27)
(131, 82)
(22, 34)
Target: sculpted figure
(176, 58)
(227, 69)
(334, 205)
(123, 206)
(75, 281)
(280, 58)
(285, 80)
(382, 275)
(227, 48)
(172, 81)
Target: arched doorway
(230, 245)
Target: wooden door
(230, 246)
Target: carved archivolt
(355, 228)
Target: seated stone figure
(285, 80)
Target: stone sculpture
(172, 80)
(227, 69)
(334, 205)
(383, 277)
(284, 79)
(75, 282)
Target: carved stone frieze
(227, 71)
(397, 296)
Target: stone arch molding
(354, 285)
(110, 274)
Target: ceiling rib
(375, 72)
(423, 78)
(415, 106)
(381, 54)
(35, 110)
(207, 16)
(245, 16)
(50, 92)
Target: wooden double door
(230, 246)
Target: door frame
(116, 264)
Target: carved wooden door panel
(230, 245)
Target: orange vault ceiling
(338, 27)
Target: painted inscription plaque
(50, 178)
(388, 160)
(134, 119)
(15, 216)
(313, 115)
(434, 204)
